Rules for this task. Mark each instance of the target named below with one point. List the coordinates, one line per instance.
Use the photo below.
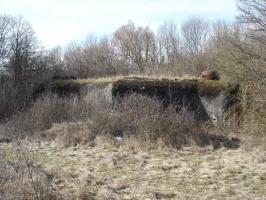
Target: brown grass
(126, 170)
(21, 178)
(51, 109)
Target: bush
(70, 134)
(51, 109)
(146, 118)
(13, 98)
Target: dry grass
(51, 109)
(144, 117)
(70, 134)
(124, 170)
(21, 178)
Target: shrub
(145, 117)
(70, 134)
(13, 98)
(51, 109)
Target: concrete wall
(205, 99)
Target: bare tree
(19, 50)
(168, 43)
(53, 63)
(74, 60)
(194, 34)
(22, 61)
(5, 34)
(136, 45)
(235, 52)
(93, 58)
(222, 48)
(253, 13)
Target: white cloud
(57, 22)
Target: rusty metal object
(210, 75)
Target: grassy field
(106, 169)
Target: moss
(137, 84)
(75, 87)
(95, 82)
(101, 82)
(145, 82)
(163, 88)
(204, 87)
(214, 88)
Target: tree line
(237, 50)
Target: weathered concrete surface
(205, 99)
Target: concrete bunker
(205, 99)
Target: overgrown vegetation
(134, 116)
(145, 118)
(29, 110)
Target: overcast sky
(58, 22)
